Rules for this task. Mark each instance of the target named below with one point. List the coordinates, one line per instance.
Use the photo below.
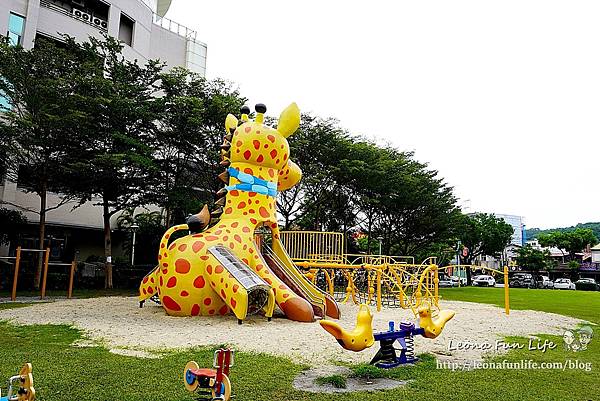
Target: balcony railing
(174, 27)
(61, 10)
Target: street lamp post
(134, 228)
(380, 239)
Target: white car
(564, 284)
(456, 280)
(484, 281)
(445, 281)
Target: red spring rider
(216, 380)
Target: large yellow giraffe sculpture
(221, 270)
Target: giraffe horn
(217, 212)
(226, 145)
(225, 162)
(229, 137)
(221, 201)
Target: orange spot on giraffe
(237, 238)
(197, 246)
(182, 266)
(235, 288)
(199, 282)
(273, 154)
(234, 192)
(182, 247)
(271, 138)
(209, 269)
(247, 155)
(235, 224)
(263, 212)
(208, 301)
(212, 238)
(245, 229)
(241, 205)
(172, 282)
(248, 170)
(260, 158)
(224, 310)
(170, 303)
(219, 269)
(228, 210)
(248, 129)
(256, 144)
(195, 310)
(184, 293)
(233, 303)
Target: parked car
(544, 282)
(458, 280)
(484, 281)
(564, 284)
(521, 280)
(586, 284)
(445, 281)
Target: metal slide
(280, 263)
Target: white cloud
(501, 97)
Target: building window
(126, 27)
(16, 27)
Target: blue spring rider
(215, 381)
(387, 357)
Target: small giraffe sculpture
(190, 279)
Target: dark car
(522, 280)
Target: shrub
(337, 381)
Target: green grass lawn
(64, 372)
(580, 304)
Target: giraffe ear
(231, 123)
(289, 121)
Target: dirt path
(119, 323)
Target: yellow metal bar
(45, 274)
(71, 274)
(13, 294)
(506, 291)
(436, 280)
(379, 290)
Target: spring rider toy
(362, 337)
(216, 380)
(26, 392)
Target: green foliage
(534, 260)
(483, 234)
(535, 232)
(366, 371)
(10, 223)
(573, 265)
(337, 381)
(570, 241)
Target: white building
(518, 226)
(146, 34)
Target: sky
(502, 98)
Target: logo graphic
(578, 340)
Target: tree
(117, 98)
(482, 234)
(10, 223)
(534, 260)
(40, 133)
(570, 241)
(188, 139)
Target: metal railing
(51, 6)
(174, 27)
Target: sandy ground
(125, 328)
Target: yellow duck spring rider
(218, 268)
(23, 383)
(362, 337)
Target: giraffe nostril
(260, 108)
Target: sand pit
(119, 323)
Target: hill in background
(534, 232)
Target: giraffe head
(258, 144)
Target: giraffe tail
(149, 286)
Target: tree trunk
(41, 235)
(108, 267)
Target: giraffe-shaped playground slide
(220, 270)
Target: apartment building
(142, 26)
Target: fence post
(45, 277)
(379, 289)
(72, 273)
(506, 298)
(13, 295)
